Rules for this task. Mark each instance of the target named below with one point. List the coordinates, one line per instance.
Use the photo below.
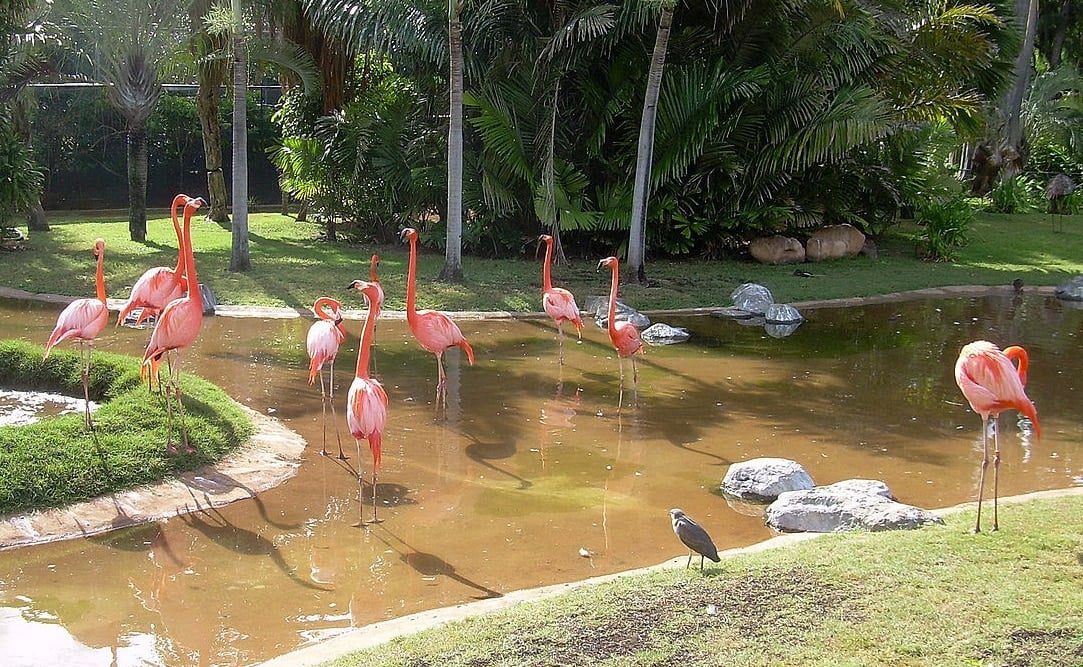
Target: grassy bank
(292, 266)
(57, 461)
(938, 596)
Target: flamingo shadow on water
(222, 532)
(485, 452)
(431, 565)
(211, 481)
(386, 494)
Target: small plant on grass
(57, 460)
(945, 227)
(1019, 194)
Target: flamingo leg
(560, 337)
(334, 416)
(360, 486)
(84, 354)
(169, 421)
(620, 395)
(441, 383)
(323, 400)
(374, 519)
(174, 378)
(984, 465)
(996, 468)
(701, 562)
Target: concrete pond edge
(282, 312)
(268, 458)
(368, 636)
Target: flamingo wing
(366, 407)
(178, 327)
(559, 304)
(82, 319)
(625, 338)
(154, 289)
(322, 345)
(436, 331)
(990, 382)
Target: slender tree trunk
(637, 237)
(36, 221)
(453, 261)
(239, 259)
(137, 182)
(1060, 31)
(207, 104)
(1012, 146)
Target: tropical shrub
(1020, 194)
(20, 178)
(945, 227)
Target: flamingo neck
(1022, 361)
(179, 200)
(189, 256)
(547, 277)
(366, 340)
(318, 307)
(612, 324)
(372, 272)
(411, 283)
(99, 276)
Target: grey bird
(694, 537)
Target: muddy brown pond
(531, 465)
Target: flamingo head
(193, 205)
(408, 234)
(373, 265)
(370, 289)
(99, 248)
(334, 305)
(608, 262)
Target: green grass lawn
(292, 266)
(58, 461)
(937, 597)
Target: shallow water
(18, 408)
(532, 464)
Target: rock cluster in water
(663, 334)
(656, 334)
(797, 505)
(1071, 290)
(754, 305)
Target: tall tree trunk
(1012, 142)
(453, 260)
(637, 237)
(1060, 31)
(36, 221)
(239, 259)
(137, 182)
(211, 75)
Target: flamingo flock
(992, 380)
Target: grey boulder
(844, 506)
(752, 297)
(663, 334)
(1071, 290)
(731, 313)
(763, 479)
(779, 313)
(625, 313)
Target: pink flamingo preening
(559, 304)
(434, 331)
(324, 337)
(160, 285)
(623, 335)
(178, 327)
(992, 383)
(366, 404)
(82, 320)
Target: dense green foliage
(20, 179)
(292, 264)
(930, 597)
(58, 461)
(945, 227)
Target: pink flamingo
(160, 285)
(991, 384)
(623, 335)
(434, 331)
(177, 328)
(375, 279)
(366, 404)
(559, 304)
(82, 320)
(324, 337)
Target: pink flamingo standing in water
(82, 320)
(434, 331)
(991, 384)
(623, 335)
(160, 285)
(366, 404)
(324, 337)
(177, 328)
(559, 304)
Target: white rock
(1071, 290)
(753, 298)
(780, 313)
(843, 506)
(663, 334)
(764, 479)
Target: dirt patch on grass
(679, 618)
(1041, 648)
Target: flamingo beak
(601, 263)
(402, 236)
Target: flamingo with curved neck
(178, 327)
(434, 331)
(325, 336)
(623, 335)
(992, 383)
(81, 321)
(160, 285)
(558, 303)
(375, 279)
(366, 404)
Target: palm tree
(124, 44)
(637, 237)
(453, 257)
(211, 74)
(239, 259)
